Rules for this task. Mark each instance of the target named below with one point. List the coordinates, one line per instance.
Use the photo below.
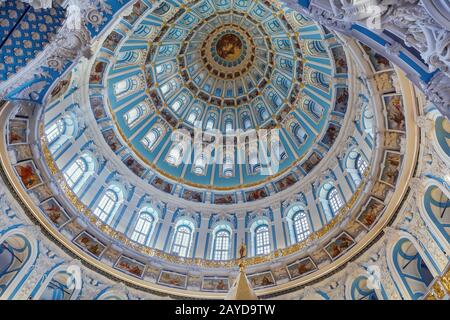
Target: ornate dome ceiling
(228, 68)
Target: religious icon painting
(224, 198)
(42, 192)
(311, 162)
(130, 266)
(215, 284)
(394, 112)
(28, 174)
(54, 212)
(370, 213)
(301, 267)
(286, 182)
(261, 280)
(17, 133)
(330, 135)
(339, 246)
(173, 279)
(89, 244)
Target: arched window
(299, 133)
(182, 239)
(128, 57)
(79, 172)
(164, 68)
(313, 108)
(16, 259)
(211, 121)
(246, 122)
(74, 172)
(361, 291)
(200, 165)
(264, 115)
(55, 130)
(180, 102)
(228, 125)
(335, 200)
(151, 138)
(109, 203)
(301, 225)
(222, 243)
(144, 225)
(356, 165)
(262, 240)
(170, 86)
(331, 200)
(361, 165)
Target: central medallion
(229, 47)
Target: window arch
(179, 102)
(59, 131)
(335, 200)
(194, 115)
(227, 167)
(246, 122)
(79, 171)
(144, 225)
(200, 165)
(228, 124)
(182, 238)
(126, 86)
(299, 223)
(165, 68)
(222, 243)
(299, 133)
(109, 203)
(170, 86)
(176, 154)
(211, 121)
(313, 108)
(368, 120)
(361, 291)
(128, 57)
